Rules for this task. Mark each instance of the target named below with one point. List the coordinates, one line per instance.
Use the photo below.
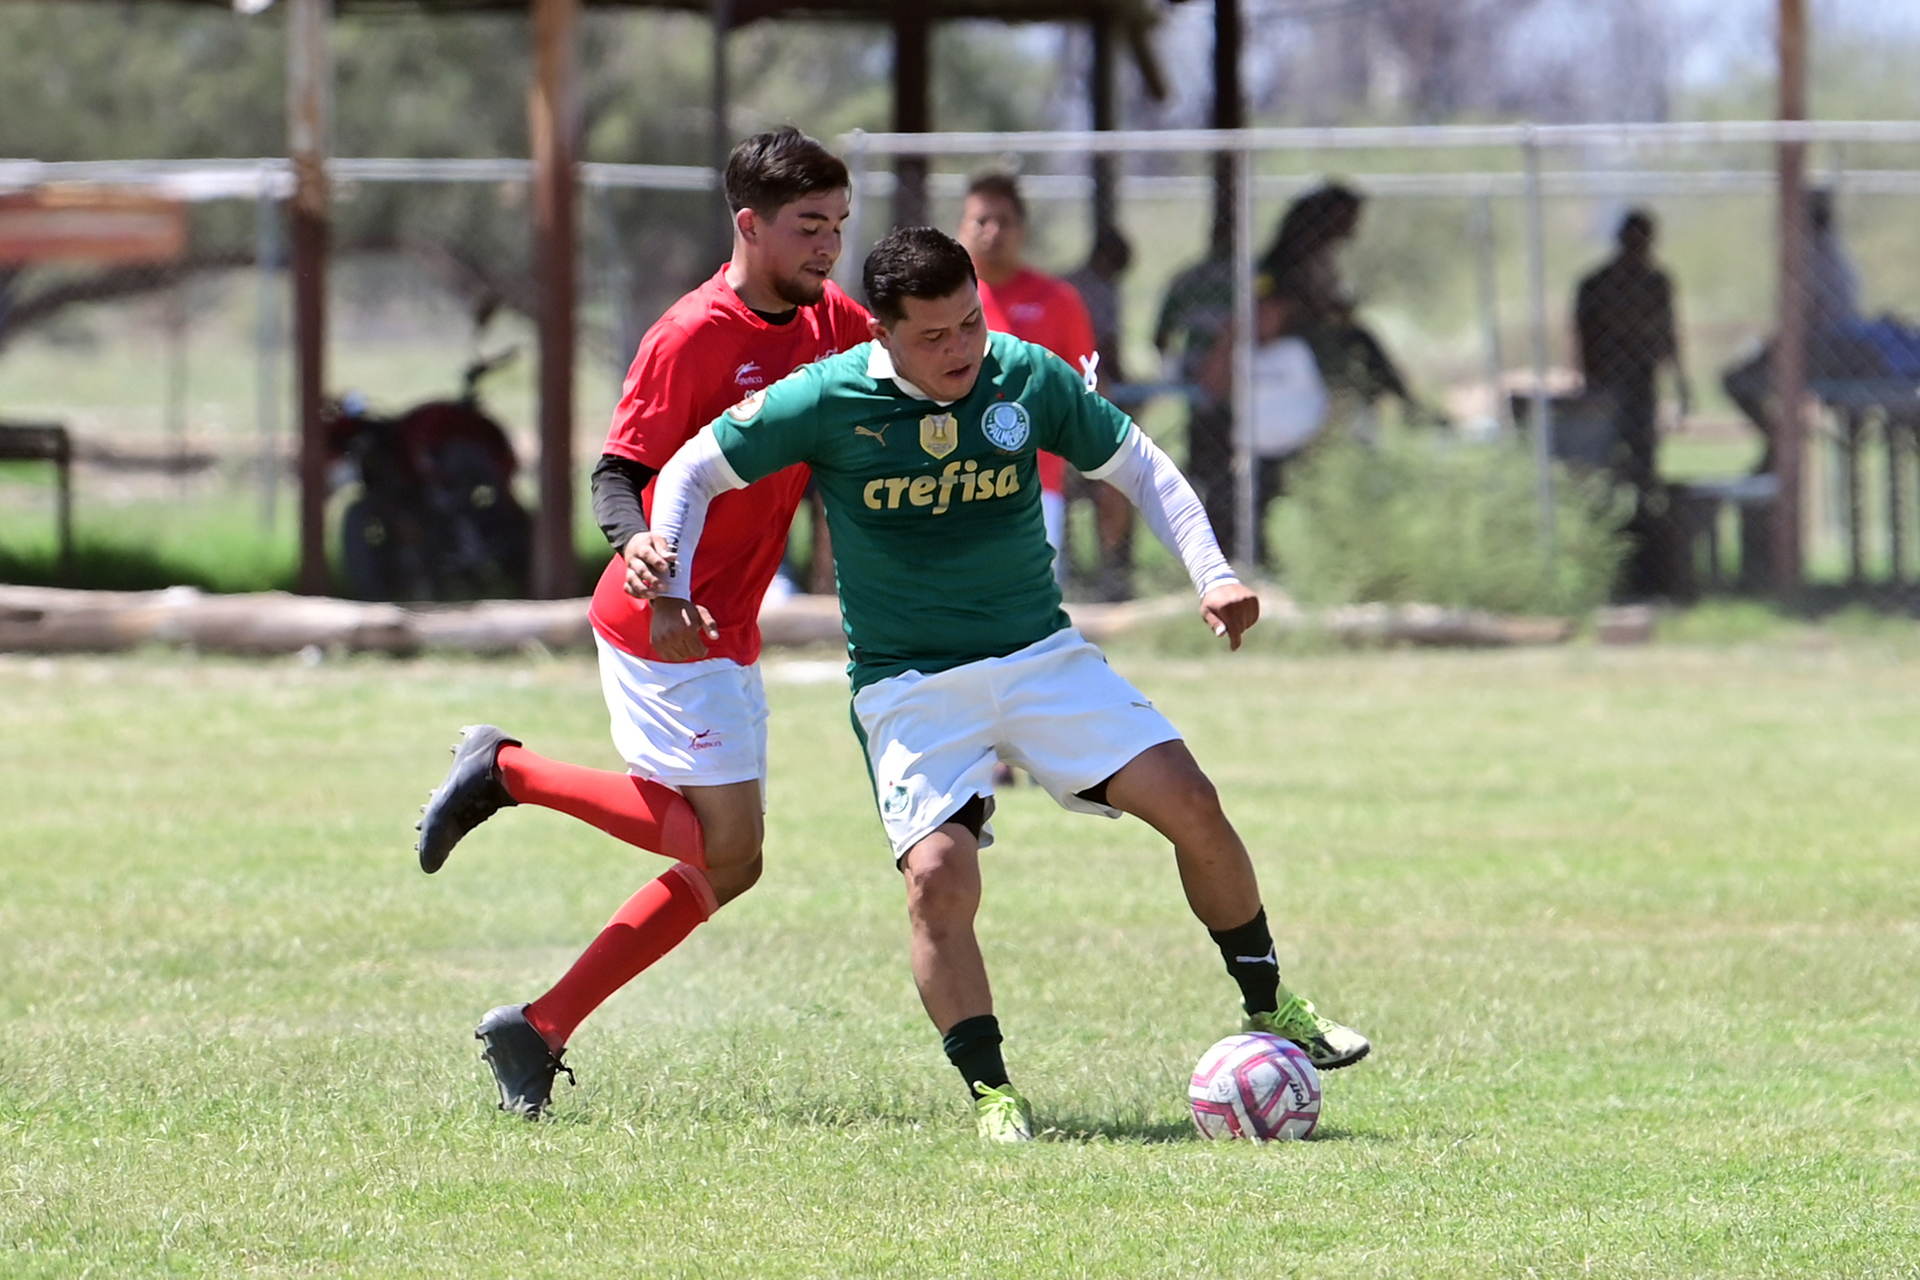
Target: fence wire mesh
(1455, 284)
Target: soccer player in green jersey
(923, 443)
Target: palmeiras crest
(1006, 425)
(939, 434)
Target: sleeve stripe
(1120, 454)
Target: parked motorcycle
(436, 517)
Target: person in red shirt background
(1029, 304)
(682, 686)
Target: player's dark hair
(776, 168)
(913, 262)
(998, 184)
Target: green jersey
(938, 540)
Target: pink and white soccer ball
(1255, 1086)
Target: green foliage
(1642, 1007)
(83, 82)
(1427, 519)
(214, 543)
(136, 81)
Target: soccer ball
(1255, 1086)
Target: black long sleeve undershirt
(617, 485)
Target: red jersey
(1047, 310)
(706, 354)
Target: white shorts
(1055, 709)
(686, 724)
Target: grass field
(1636, 934)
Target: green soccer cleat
(1327, 1043)
(1002, 1114)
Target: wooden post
(553, 121)
(1789, 363)
(912, 109)
(309, 117)
(721, 144)
(1229, 112)
(1102, 86)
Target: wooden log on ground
(51, 620)
(800, 620)
(1432, 626)
(55, 620)
(505, 626)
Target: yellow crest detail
(939, 434)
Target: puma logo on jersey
(973, 482)
(748, 375)
(880, 435)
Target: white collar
(880, 365)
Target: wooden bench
(46, 442)
(1895, 404)
(1699, 504)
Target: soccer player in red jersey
(682, 685)
(1029, 304)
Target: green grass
(1633, 931)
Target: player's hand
(649, 561)
(1230, 609)
(680, 629)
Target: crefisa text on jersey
(976, 484)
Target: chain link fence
(1605, 297)
(1619, 284)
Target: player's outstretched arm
(688, 484)
(1230, 609)
(1140, 469)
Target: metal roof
(1130, 13)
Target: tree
(91, 82)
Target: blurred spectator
(1098, 283)
(1194, 316)
(1835, 348)
(1289, 405)
(1301, 268)
(1028, 304)
(1623, 320)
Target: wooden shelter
(553, 120)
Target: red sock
(653, 922)
(637, 810)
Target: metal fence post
(1540, 411)
(848, 268)
(267, 343)
(1245, 504)
(1481, 224)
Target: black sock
(1248, 951)
(973, 1046)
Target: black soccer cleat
(522, 1064)
(471, 793)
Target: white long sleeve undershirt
(1140, 469)
(697, 473)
